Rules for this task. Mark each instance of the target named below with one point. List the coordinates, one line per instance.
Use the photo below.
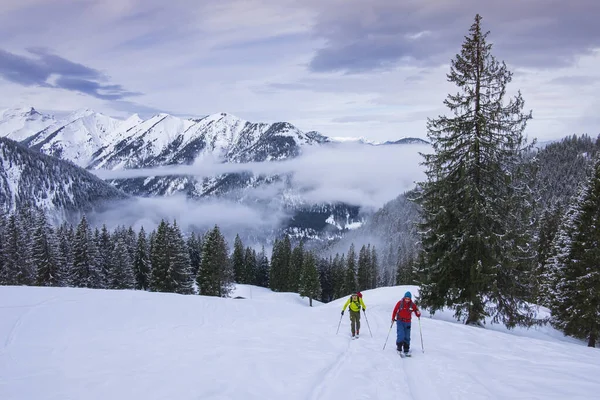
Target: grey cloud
(356, 118)
(382, 173)
(72, 76)
(105, 92)
(576, 80)
(381, 34)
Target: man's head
(407, 296)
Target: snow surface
(63, 343)
(20, 123)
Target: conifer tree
(250, 266)
(363, 275)
(405, 269)
(575, 266)
(295, 270)
(104, 244)
(3, 224)
(286, 260)
(26, 218)
(324, 266)
(374, 269)
(179, 272)
(194, 245)
(45, 253)
(160, 256)
(350, 273)
(120, 275)
(474, 205)
(66, 236)
(237, 259)
(13, 270)
(141, 263)
(338, 276)
(549, 225)
(309, 279)
(215, 276)
(86, 270)
(280, 261)
(263, 269)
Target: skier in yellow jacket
(355, 302)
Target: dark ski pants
(403, 334)
(354, 321)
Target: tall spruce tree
(295, 270)
(250, 266)
(141, 262)
(66, 236)
(194, 245)
(105, 246)
(338, 276)
(237, 258)
(474, 229)
(45, 253)
(309, 279)
(280, 261)
(262, 269)
(120, 275)
(363, 272)
(404, 270)
(160, 255)
(3, 224)
(374, 269)
(575, 267)
(215, 276)
(180, 272)
(549, 224)
(324, 266)
(350, 285)
(86, 265)
(13, 271)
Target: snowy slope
(78, 137)
(28, 177)
(59, 343)
(20, 123)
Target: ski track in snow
(64, 343)
(13, 331)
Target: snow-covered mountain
(19, 123)
(98, 142)
(30, 178)
(65, 343)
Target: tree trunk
(310, 301)
(474, 317)
(592, 340)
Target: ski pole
(338, 329)
(367, 319)
(388, 335)
(421, 333)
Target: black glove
(342, 312)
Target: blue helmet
(408, 294)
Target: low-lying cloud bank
(366, 176)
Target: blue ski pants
(403, 332)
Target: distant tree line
(35, 253)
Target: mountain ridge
(94, 141)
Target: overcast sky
(373, 68)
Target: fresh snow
(64, 343)
(20, 123)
